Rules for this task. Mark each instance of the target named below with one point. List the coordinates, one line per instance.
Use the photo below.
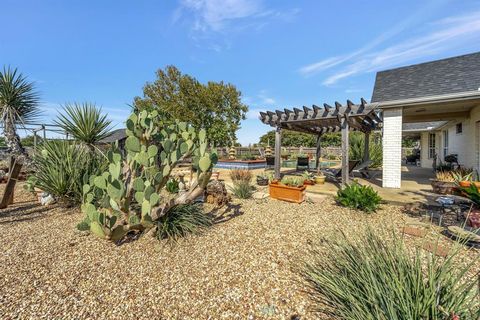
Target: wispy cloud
(208, 18)
(439, 36)
(215, 14)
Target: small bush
(242, 189)
(372, 278)
(293, 181)
(182, 220)
(359, 197)
(172, 186)
(62, 166)
(240, 175)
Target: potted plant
(444, 183)
(289, 189)
(309, 178)
(264, 178)
(464, 177)
(320, 177)
(473, 194)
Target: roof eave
(462, 96)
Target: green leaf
(152, 151)
(138, 184)
(202, 135)
(97, 229)
(154, 199)
(204, 163)
(100, 182)
(139, 196)
(132, 144)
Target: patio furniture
(336, 174)
(270, 162)
(362, 169)
(302, 162)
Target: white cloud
(216, 14)
(452, 32)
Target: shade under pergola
(363, 117)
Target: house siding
(465, 144)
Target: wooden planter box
(286, 193)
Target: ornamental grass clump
(240, 175)
(374, 278)
(357, 196)
(183, 220)
(242, 189)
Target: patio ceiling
(362, 117)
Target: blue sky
(278, 53)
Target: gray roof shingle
(116, 135)
(446, 76)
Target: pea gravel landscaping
(242, 268)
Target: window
(445, 143)
(459, 128)
(431, 145)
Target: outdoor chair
(362, 169)
(302, 162)
(336, 174)
(270, 162)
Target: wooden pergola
(363, 117)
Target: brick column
(392, 148)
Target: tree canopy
(299, 139)
(214, 106)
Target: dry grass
(238, 175)
(240, 269)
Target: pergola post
(345, 149)
(278, 151)
(318, 152)
(366, 147)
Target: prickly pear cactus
(128, 196)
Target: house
(441, 101)
(437, 100)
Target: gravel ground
(242, 268)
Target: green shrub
(182, 220)
(62, 166)
(242, 189)
(372, 278)
(172, 186)
(357, 142)
(293, 181)
(359, 197)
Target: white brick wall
(392, 148)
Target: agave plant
(18, 104)
(84, 122)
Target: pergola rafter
(363, 117)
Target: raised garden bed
(241, 164)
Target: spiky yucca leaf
(182, 220)
(84, 122)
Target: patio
(415, 185)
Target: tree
(299, 139)
(18, 104)
(215, 106)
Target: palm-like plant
(18, 104)
(84, 122)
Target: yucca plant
(360, 197)
(182, 220)
(18, 104)
(61, 168)
(84, 122)
(242, 189)
(374, 278)
(356, 151)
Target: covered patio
(363, 117)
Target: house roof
(441, 77)
(116, 135)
